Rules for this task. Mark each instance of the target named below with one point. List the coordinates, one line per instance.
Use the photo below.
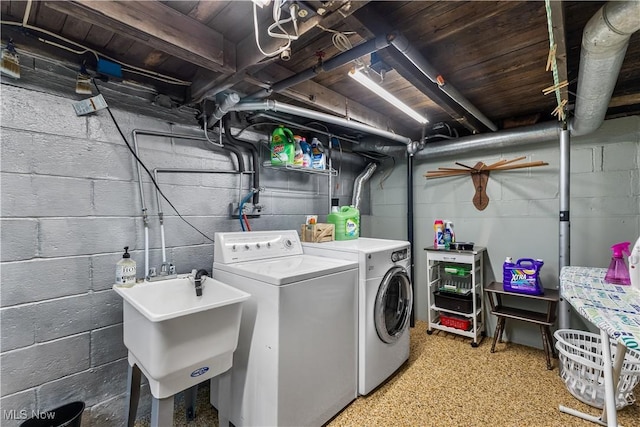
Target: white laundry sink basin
(176, 338)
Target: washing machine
(385, 299)
(296, 360)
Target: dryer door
(393, 305)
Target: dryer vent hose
(359, 183)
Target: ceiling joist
(159, 26)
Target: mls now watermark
(23, 414)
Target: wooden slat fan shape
(480, 175)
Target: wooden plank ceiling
(492, 52)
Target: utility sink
(176, 338)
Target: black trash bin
(69, 415)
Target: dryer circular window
(392, 309)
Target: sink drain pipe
(254, 157)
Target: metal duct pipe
(359, 183)
(270, 105)
(378, 146)
(604, 44)
(339, 60)
(401, 43)
(564, 312)
(548, 131)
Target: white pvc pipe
(164, 249)
(146, 251)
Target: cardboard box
(317, 233)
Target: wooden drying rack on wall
(480, 175)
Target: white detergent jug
(634, 265)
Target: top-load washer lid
(288, 269)
(363, 244)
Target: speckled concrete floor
(446, 382)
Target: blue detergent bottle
(618, 274)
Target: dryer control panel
(399, 255)
(255, 245)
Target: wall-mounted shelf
(267, 164)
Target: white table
(615, 310)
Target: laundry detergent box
(523, 276)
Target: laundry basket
(581, 368)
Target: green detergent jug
(282, 146)
(346, 222)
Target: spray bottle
(618, 273)
(634, 266)
(438, 237)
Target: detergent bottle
(346, 222)
(282, 146)
(318, 158)
(617, 273)
(449, 234)
(438, 234)
(522, 276)
(298, 153)
(306, 153)
(634, 265)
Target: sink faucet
(198, 277)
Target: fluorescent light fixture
(382, 93)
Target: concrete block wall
(521, 219)
(70, 203)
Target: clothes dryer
(296, 360)
(385, 299)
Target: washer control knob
(257, 245)
(288, 244)
(246, 247)
(233, 248)
(395, 257)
